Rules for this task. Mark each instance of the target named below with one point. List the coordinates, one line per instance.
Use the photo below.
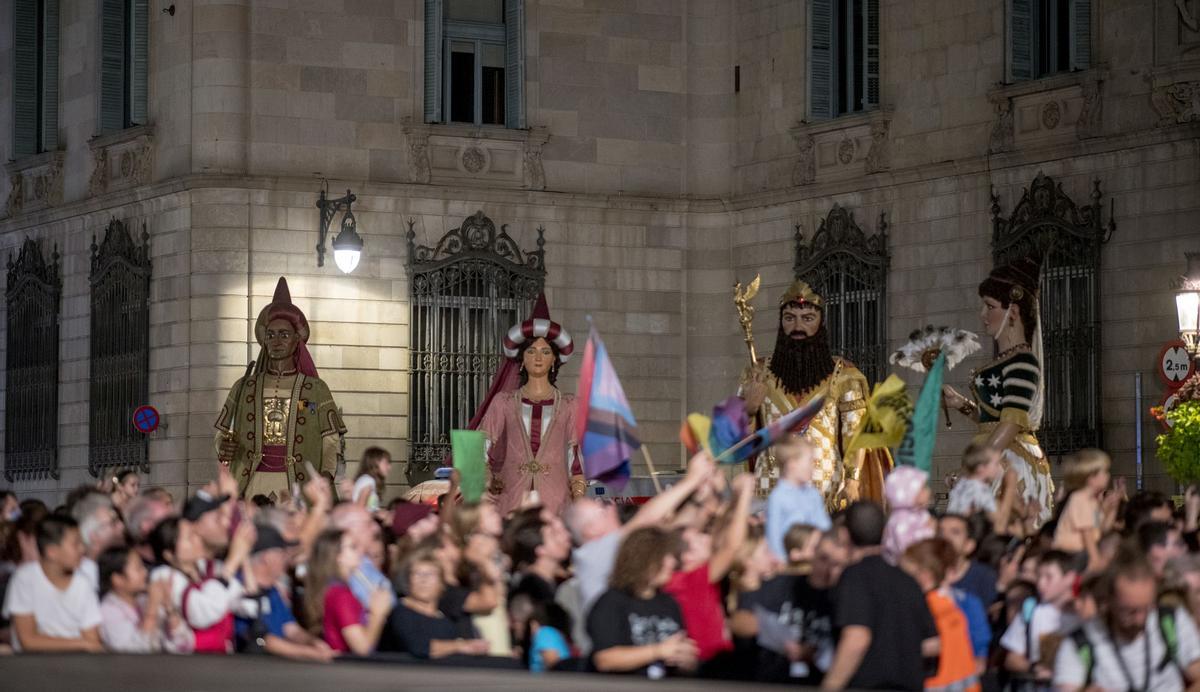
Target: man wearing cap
(801, 367)
(281, 414)
(264, 619)
(531, 431)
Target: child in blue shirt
(548, 645)
(795, 500)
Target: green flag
(467, 448)
(916, 449)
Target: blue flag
(916, 449)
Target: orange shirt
(956, 662)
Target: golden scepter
(741, 301)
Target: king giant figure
(802, 366)
(280, 415)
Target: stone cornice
(634, 203)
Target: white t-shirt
(90, 571)
(969, 496)
(1106, 671)
(366, 484)
(593, 563)
(61, 614)
(1047, 619)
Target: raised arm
(734, 534)
(661, 506)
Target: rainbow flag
(728, 425)
(795, 421)
(606, 429)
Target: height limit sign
(1174, 364)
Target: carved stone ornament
(418, 153)
(98, 183)
(473, 159)
(121, 160)
(879, 157)
(1001, 139)
(36, 182)
(1051, 115)
(1090, 122)
(845, 151)
(805, 170)
(1176, 103)
(534, 172)
(16, 195)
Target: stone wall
(658, 186)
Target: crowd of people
(705, 579)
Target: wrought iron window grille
(465, 293)
(33, 302)
(849, 269)
(120, 349)
(1069, 239)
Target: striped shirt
(1006, 389)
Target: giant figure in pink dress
(533, 453)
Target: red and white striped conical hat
(539, 326)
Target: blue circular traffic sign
(145, 419)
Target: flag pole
(824, 391)
(653, 471)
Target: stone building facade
(668, 148)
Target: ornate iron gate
(849, 269)
(466, 293)
(31, 367)
(1048, 223)
(120, 349)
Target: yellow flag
(888, 411)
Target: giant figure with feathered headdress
(801, 366)
(280, 414)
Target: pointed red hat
(281, 307)
(538, 326)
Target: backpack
(1166, 627)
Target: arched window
(120, 349)
(466, 292)
(1068, 238)
(849, 269)
(31, 365)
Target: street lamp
(1187, 304)
(348, 245)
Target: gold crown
(801, 292)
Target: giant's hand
(754, 391)
(227, 449)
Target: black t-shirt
(883, 598)
(410, 632)
(619, 619)
(539, 590)
(453, 603)
(807, 611)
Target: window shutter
(50, 24)
(433, 61)
(1081, 34)
(822, 44)
(871, 59)
(1021, 40)
(514, 63)
(139, 61)
(25, 78)
(112, 65)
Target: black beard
(801, 364)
